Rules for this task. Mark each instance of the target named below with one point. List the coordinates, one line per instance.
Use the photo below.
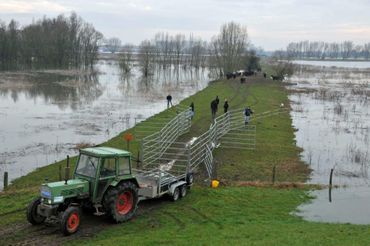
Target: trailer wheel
(121, 201)
(176, 194)
(70, 220)
(183, 190)
(32, 216)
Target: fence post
(330, 183)
(5, 180)
(178, 125)
(141, 151)
(60, 172)
(138, 159)
(189, 159)
(273, 174)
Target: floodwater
(346, 64)
(45, 115)
(331, 111)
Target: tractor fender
(175, 185)
(117, 182)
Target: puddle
(349, 205)
(44, 115)
(331, 110)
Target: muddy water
(44, 115)
(331, 110)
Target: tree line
(226, 52)
(60, 42)
(326, 50)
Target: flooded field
(331, 111)
(45, 115)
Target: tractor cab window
(124, 165)
(87, 165)
(108, 168)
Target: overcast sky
(271, 24)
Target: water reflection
(44, 115)
(61, 90)
(331, 110)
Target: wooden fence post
(5, 180)
(273, 174)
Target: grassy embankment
(231, 214)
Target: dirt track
(23, 233)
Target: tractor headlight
(45, 192)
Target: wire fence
(227, 131)
(161, 150)
(154, 146)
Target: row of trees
(49, 42)
(176, 49)
(226, 52)
(322, 50)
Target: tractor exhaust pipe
(66, 175)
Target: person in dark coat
(226, 106)
(192, 110)
(247, 115)
(169, 100)
(214, 109)
(217, 100)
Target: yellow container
(215, 183)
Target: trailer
(157, 182)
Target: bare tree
(146, 57)
(197, 52)
(113, 44)
(179, 46)
(126, 57)
(229, 47)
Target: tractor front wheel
(70, 220)
(121, 201)
(32, 216)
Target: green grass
(228, 215)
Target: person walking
(213, 109)
(192, 110)
(169, 100)
(247, 114)
(226, 106)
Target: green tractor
(102, 181)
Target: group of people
(214, 108)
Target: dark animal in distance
(273, 77)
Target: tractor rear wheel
(121, 202)
(32, 216)
(70, 220)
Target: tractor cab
(102, 167)
(102, 180)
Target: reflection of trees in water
(161, 81)
(64, 91)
